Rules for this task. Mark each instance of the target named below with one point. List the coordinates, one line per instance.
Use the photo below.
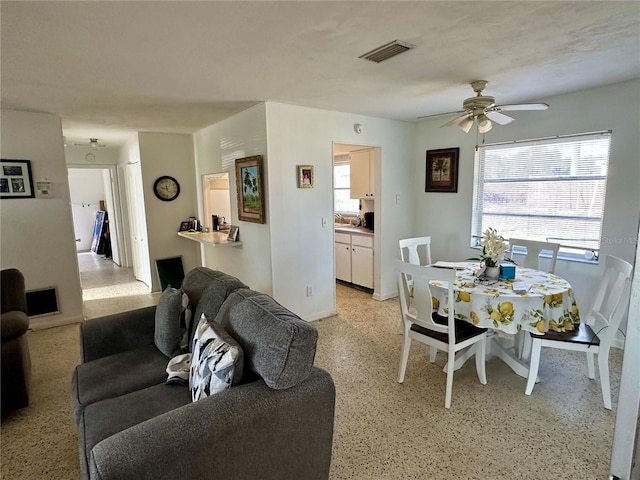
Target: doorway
(355, 170)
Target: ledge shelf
(215, 239)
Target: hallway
(108, 288)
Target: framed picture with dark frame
(442, 170)
(16, 180)
(250, 189)
(305, 176)
(233, 233)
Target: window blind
(550, 189)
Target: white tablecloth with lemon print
(549, 304)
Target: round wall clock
(166, 188)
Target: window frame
(567, 251)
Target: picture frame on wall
(250, 189)
(16, 180)
(442, 170)
(305, 176)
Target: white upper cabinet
(362, 174)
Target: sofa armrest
(100, 337)
(248, 431)
(13, 324)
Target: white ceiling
(113, 68)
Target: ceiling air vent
(387, 51)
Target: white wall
(447, 216)
(86, 189)
(168, 154)
(216, 149)
(36, 235)
(302, 250)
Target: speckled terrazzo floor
(383, 430)
(387, 430)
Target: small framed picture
(442, 170)
(184, 226)
(305, 176)
(15, 179)
(233, 233)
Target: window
(342, 203)
(550, 189)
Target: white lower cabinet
(354, 259)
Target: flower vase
(492, 272)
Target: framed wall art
(233, 233)
(250, 189)
(305, 176)
(16, 180)
(442, 170)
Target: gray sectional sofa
(276, 423)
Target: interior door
(138, 223)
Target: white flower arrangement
(493, 248)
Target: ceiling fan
(483, 110)
(93, 143)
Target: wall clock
(166, 188)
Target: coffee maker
(215, 223)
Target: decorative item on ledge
(442, 170)
(305, 176)
(233, 233)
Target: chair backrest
(13, 295)
(532, 257)
(422, 304)
(410, 250)
(611, 299)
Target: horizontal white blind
(547, 189)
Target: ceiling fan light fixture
(484, 124)
(466, 124)
(93, 142)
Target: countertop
(217, 239)
(351, 229)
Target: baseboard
(385, 296)
(40, 323)
(321, 315)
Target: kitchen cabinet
(343, 257)
(354, 258)
(362, 174)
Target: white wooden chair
(424, 325)
(597, 331)
(532, 259)
(416, 251)
(534, 248)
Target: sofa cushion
(102, 419)
(116, 375)
(168, 318)
(217, 360)
(207, 290)
(278, 345)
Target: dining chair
(423, 324)
(416, 251)
(596, 334)
(522, 342)
(534, 248)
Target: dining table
(534, 301)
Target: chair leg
(536, 346)
(481, 354)
(591, 371)
(433, 352)
(404, 357)
(603, 370)
(450, 370)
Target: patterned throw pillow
(216, 362)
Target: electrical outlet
(309, 291)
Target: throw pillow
(168, 316)
(216, 362)
(178, 369)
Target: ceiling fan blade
(456, 121)
(522, 106)
(499, 118)
(439, 115)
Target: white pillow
(214, 361)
